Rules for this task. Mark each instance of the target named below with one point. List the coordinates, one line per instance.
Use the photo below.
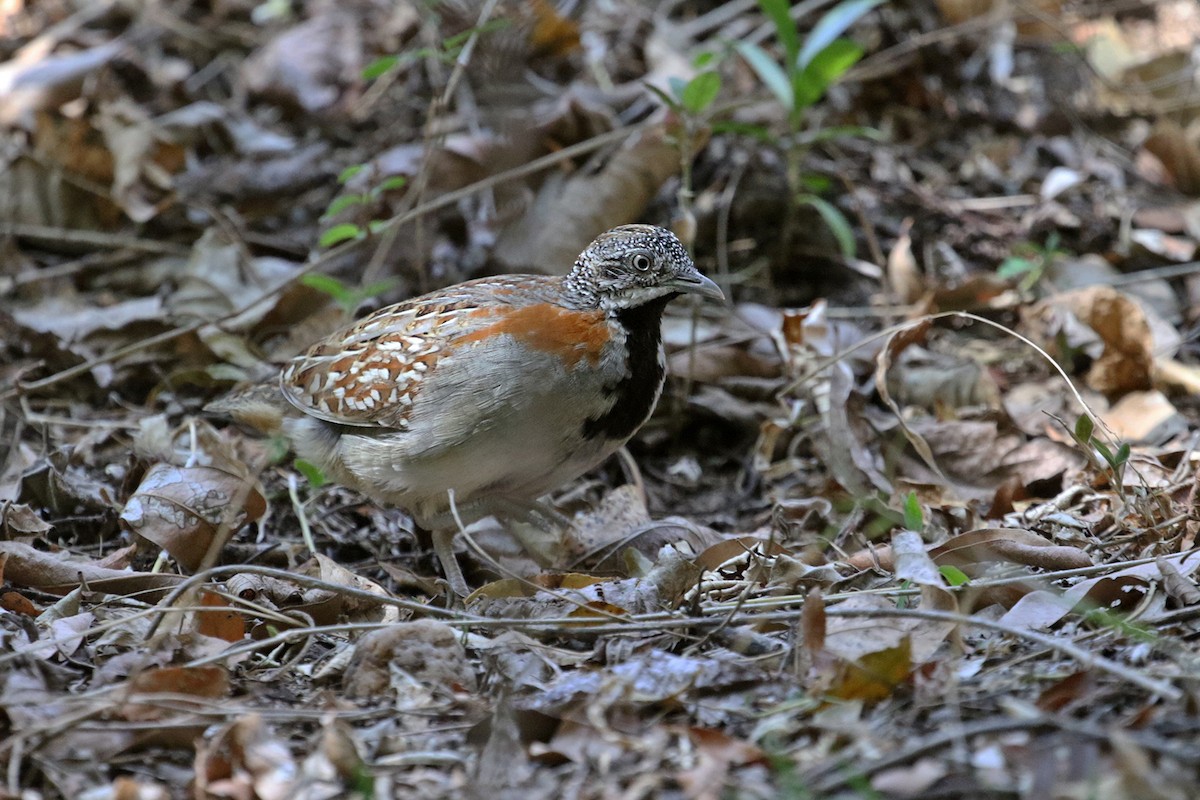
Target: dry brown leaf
(1033, 24)
(211, 682)
(663, 587)
(969, 550)
(553, 34)
(1044, 608)
(571, 210)
(904, 277)
(941, 382)
(217, 618)
(875, 675)
(355, 608)
(1178, 154)
(15, 602)
(183, 509)
(1144, 417)
(1068, 691)
(896, 344)
(19, 520)
(1126, 354)
(1178, 585)
(50, 572)
(813, 622)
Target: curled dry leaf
(967, 550)
(1124, 358)
(18, 519)
(1178, 154)
(183, 510)
(570, 210)
(717, 754)
(904, 277)
(144, 159)
(307, 606)
(53, 573)
(1177, 584)
(940, 381)
(356, 609)
(897, 343)
(1144, 417)
(873, 676)
(972, 550)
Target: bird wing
(367, 374)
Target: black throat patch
(635, 394)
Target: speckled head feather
(632, 265)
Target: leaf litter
(915, 517)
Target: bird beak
(695, 283)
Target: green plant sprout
(446, 52)
(914, 517)
(346, 231)
(348, 297)
(808, 69)
(311, 472)
(1030, 261)
(1115, 460)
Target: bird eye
(641, 262)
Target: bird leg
(537, 527)
(443, 548)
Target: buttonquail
(498, 389)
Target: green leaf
(311, 472)
(827, 66)
(1084, 426)
(785, 28)
(837, 222)
(1122, 455)
(676, 84)
(377, 225)
(914, 519)
(668, 100)
(329, 285)
(816, 183)
(349, 172)
(376, 289)
(953, 575)
(702, 60)
(339, 233)
(700, 92)
(379, 66)
(760, 132)
(340, 204)
(392, 183)
(1014, 267)
(453, 44)
(769, 72)
(831, 26)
